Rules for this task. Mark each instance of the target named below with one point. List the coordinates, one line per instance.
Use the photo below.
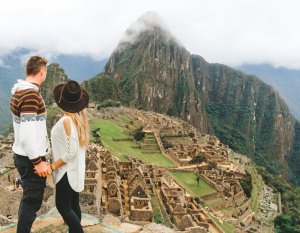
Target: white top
(68, 149)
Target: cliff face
(247, 114)
(55, 76)
(154, 72)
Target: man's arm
(29, 126)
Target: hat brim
(70, 107)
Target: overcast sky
(232, 32)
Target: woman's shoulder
(67, 125)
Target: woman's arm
(57, 164)
(71, 147)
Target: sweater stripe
(27, 101)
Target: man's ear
(43, 72)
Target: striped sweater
(29, 121)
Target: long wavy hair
(80, 120)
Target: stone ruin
(125, 190)
(127, 187)
(140, 201)
(90, 198)
(184, 211)
(230, 190)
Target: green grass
(225, 226)
(110, 130)
(258, 184)
(156, 210)
(229, 211)
(201, 141)
(159, 213)
(125, 118)
(189, 182)
(215, 202)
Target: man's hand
(43, 169)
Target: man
(31, 143)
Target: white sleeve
(72, 145)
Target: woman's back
(67, 148)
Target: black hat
(70, 97)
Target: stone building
(140, 201)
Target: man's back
(29, 120)
(31, 140)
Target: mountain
(80, 67)
(151, 70)
(286, 81)
(55, 75)
(10, 71)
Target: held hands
(43, 169)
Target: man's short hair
(34, 65)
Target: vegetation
(156, 210)
(226, 227)
(53, 115)
(290, 197)
(102, 87)
(188, 180)
(232, 124)
(198, 159)
(257, 185)
(246, 184)
(110, 131)
(138, 134)
(109, 103)
(55, 76)
(9, 130)
(285, 224)
(294, 156)
(166, 143)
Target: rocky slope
(286, 81)
(152, 71)
(55, 75)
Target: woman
(70, 137)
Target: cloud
(232, 32)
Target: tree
(138, 134)
(198, 159)
(198, 179)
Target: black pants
(67, 204)
(33, 191)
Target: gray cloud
(230, 32)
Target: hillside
(286, 81)
(153, 71)
(55, 76)
(8, 75)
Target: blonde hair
(80, 120)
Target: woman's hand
(43, 169)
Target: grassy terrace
(110, 130)
(225, 226)
(189, 182)
(258, 184)
(215, 202)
